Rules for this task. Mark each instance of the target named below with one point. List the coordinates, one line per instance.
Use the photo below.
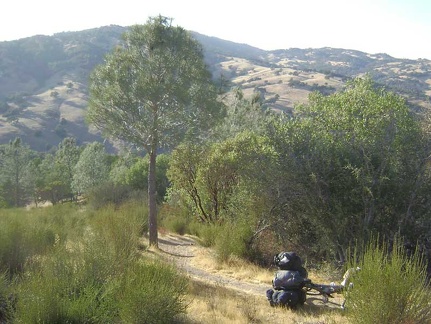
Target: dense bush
(233, 240)
(6, 299)
(109, 193)
(391, 287)
(72, 265)
(151, 293)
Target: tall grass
(152, 293)
(25, 234)
(391, 287)
(233, 240)
(6, 299)
(71, 265)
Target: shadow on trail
(316, 307)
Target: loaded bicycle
(291, 285)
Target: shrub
(174, 219)
(98, 277)
(176, 225)
(233, 240)
(26, 234)
(6, 300)
(152, 293)
(67, 288)
(391, 287)
(13, 250)
(109, 193)
(119, 229)
(207, 233)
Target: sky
(400, 28)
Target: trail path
(185, 252)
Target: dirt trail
(185, 252)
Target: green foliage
(84, 267)
(48, 187)
(175, 219)
(21, 238)
(119, 229)
(351, 163)
(121, 166)
(243, 114)
(109, 193)
(207, 233)
(15, 173)
(13, 252)
(6, 299)
(66, 158)
(137, 175)
(66, 288)
(92, 168)
(234, 240)
(152, 293)
(391, 287)
(182, 173)
(213, 180)
(171, 91)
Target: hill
(43, 79)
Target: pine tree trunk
(152, 218)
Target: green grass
(390, 288)
(66, 264)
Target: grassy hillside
(43, 79)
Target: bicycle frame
(326, 291)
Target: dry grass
(234, 268)
(212, 301)
(216, 304)
(246, 271)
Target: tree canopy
(355, 159)
(153, 90)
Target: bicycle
(327, 291)
(306, 287)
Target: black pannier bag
(288, 261)
(286, 298)
(288, 283)
(287, 279)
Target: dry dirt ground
(194, 260)
(199, 264)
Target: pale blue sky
(400, 28)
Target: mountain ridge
(43, 79)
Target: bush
(13, 250)
(152, 293)
(6, 300)
(109, 193)
(99, 277)
(174, 219)
(233, 240)
(67, 287)
(117, 230)
(206, 232)
(391, 287)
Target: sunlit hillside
(43, 79)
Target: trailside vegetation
(151, 91)
(64, 264)
(247, 181)
(391, 285)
